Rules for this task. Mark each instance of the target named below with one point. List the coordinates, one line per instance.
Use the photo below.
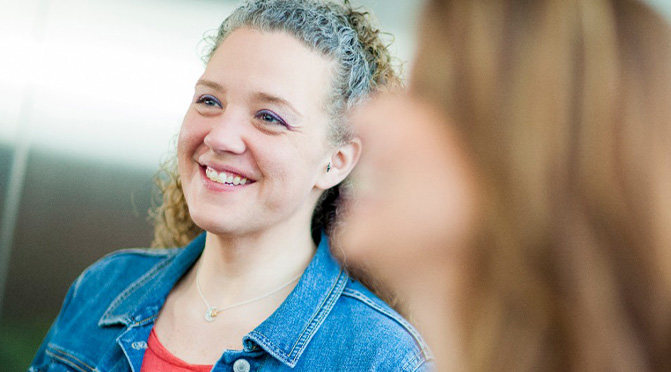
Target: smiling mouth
(225, 178)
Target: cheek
(191, 136)
(188, 131)
(416, 200)
(289, 159)
(182, 145)
(285, 167)
(188, 141)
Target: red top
(158, 358)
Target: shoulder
(98, 285)
(357, 297)
(130, 258)
(381, 333)
(77, 327)
(121, 268)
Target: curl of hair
(340, 32)
(173, 226)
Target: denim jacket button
(241, 365)
(139, 345)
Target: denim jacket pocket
(61, 360)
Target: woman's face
(253, 147)
(413, 203)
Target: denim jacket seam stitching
(307, 333)
(77, 283)
(113, 255)
(421, 364)
(318, 319)
(119, 342)
(149, 252)
(145, 320)
(56, 352)
(407, 326)
(417, 360)
(324, 309)
(275, 351)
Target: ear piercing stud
(328, 167)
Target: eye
(208, 100)
(270, 118)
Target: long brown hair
(565, 106)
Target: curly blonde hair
(340, 32)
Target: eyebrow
(259, 96)
(210, 84)
(266, 97)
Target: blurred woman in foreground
(520, 195)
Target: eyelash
(264, 115)
(209, 101)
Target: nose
(227, 134)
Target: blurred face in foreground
(412, 211)
(413, 202)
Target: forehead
(275, 63)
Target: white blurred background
(92, 94)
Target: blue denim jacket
(328, 323)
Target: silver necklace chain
(212, 311)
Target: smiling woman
(261, 153)
(259, 118)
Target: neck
(235, 268)
(435, 313)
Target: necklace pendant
(210, 314)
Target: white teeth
(224, 178)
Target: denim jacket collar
(287, 332)
(284, 335)
(143, 299)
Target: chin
(207, 221)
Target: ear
(342, 161)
